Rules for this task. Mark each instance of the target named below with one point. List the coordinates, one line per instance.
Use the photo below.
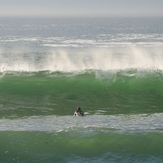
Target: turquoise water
(45, 93)
(80, 146)
(111, 68)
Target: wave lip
(70, 59)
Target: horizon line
(75, 17)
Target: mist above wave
(79, 59)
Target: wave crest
(79, 59)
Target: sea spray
(113, 58)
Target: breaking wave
(79, 59)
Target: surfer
(78, 112)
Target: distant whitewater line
(79, 59)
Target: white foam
(62, 45)
(118, 57)
(105, 59)
(140, 122)
(18, 39)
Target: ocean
(111, 67)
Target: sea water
(111, 67)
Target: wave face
(111, 68)
(45, 93)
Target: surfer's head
(78, 109)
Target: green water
(53, 136)
(78, 146)
(43, 93)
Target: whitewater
(112, 68)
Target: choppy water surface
(112, 68)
